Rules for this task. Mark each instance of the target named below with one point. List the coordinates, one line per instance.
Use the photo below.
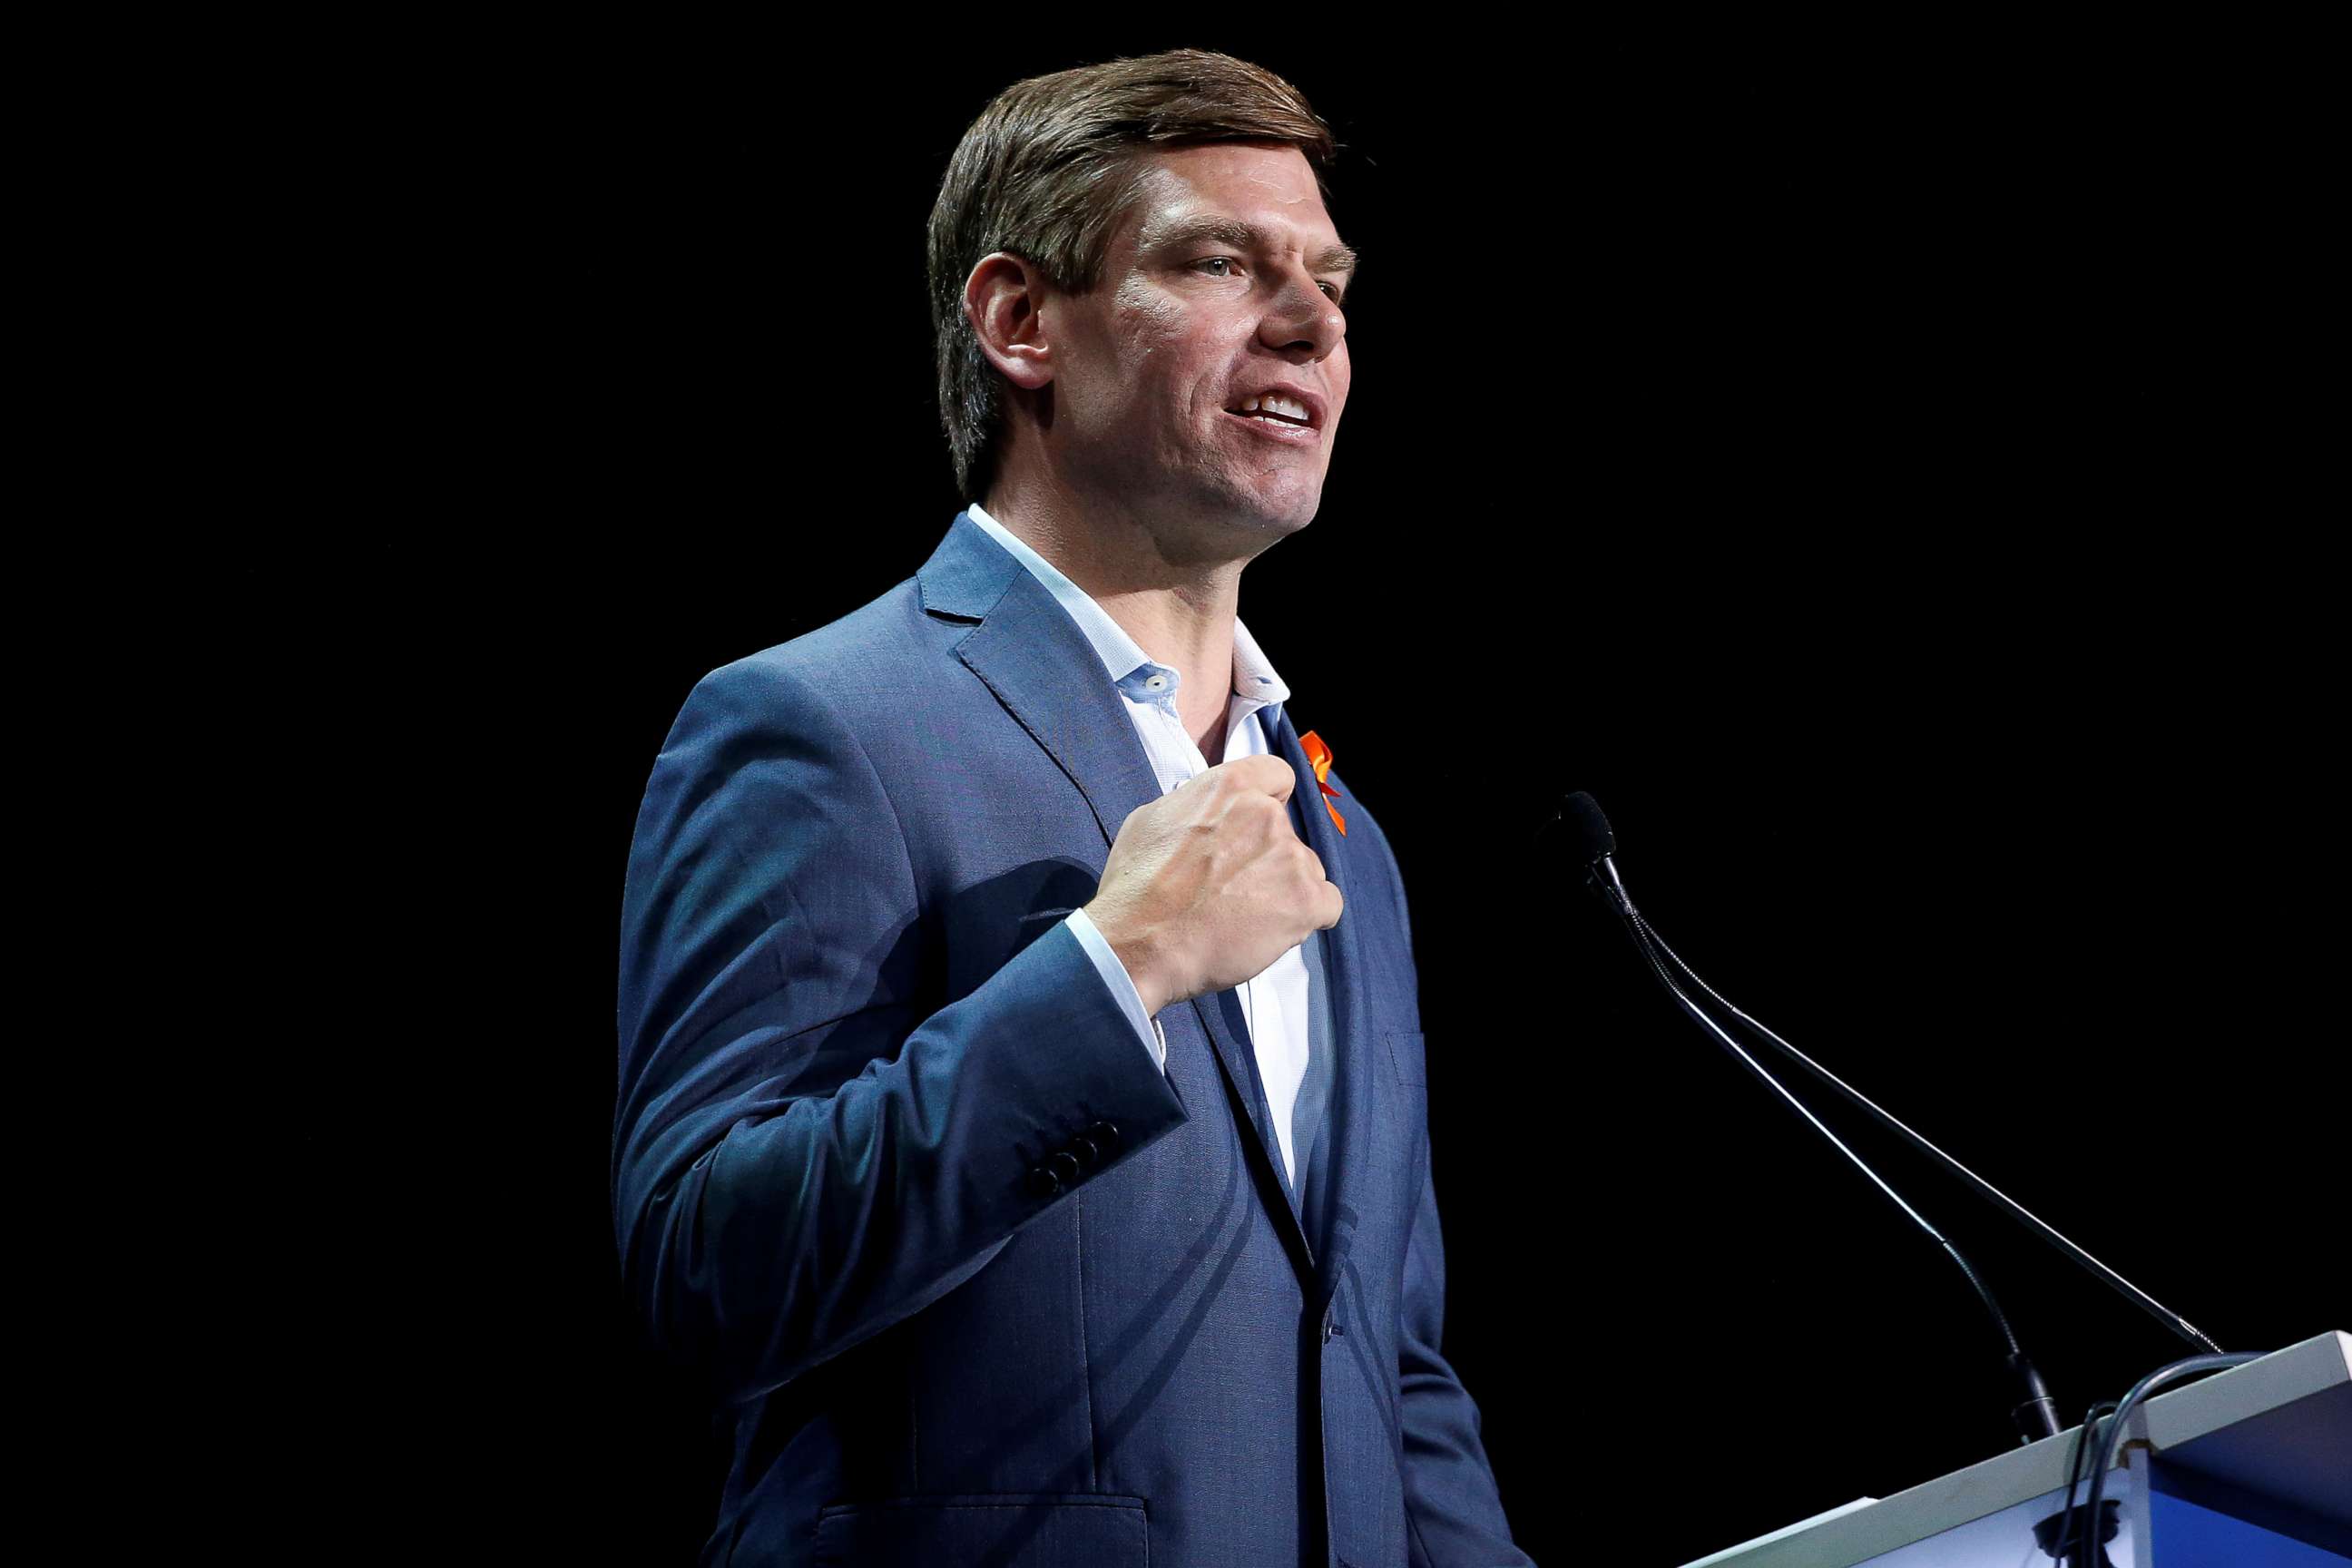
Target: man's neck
(1180, 612)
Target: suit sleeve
(800, 1160)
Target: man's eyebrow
(1242, 236)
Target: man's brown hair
(1047, 171)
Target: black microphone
(1590, 844)
(1588, 839)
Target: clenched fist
(1208, 885)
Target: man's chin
(1276, 515)
(1268, 527)
(1230, 519)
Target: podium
(2251, 1468)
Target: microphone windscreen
(1589, 837)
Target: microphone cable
(2064, 1548)
(2172, 1373)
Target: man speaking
(1023, 1124)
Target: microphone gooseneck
(1581, 809)
(1592, 844)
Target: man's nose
(1303, 319)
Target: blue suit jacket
(893, 1172)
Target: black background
(1881, 468)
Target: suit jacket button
(1064, 1165)
(1089, 1151)
(1105, 1134)
(1042, 1183)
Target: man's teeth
(1287, 407)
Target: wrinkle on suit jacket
(894, 1176)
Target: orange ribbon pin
(1319, 755)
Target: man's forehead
(1270, 189)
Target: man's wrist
(1136, 961)
(1146, 988)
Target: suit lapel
(1028, 652)
(1032, 656)
(1348, 1120)
(1219, 1012)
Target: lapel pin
(1319, 755)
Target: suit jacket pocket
(1017, 1530)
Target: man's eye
(1227, 263)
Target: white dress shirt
(1274, 1003)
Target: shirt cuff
(1121, 984)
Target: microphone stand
(1998, 1199)
(2036, 1415)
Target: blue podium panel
(2188, 1536)
(2196, 1524)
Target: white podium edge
(1859, 1532)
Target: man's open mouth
(1273, 406)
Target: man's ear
(1000, 299)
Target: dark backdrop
(1880, 468)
